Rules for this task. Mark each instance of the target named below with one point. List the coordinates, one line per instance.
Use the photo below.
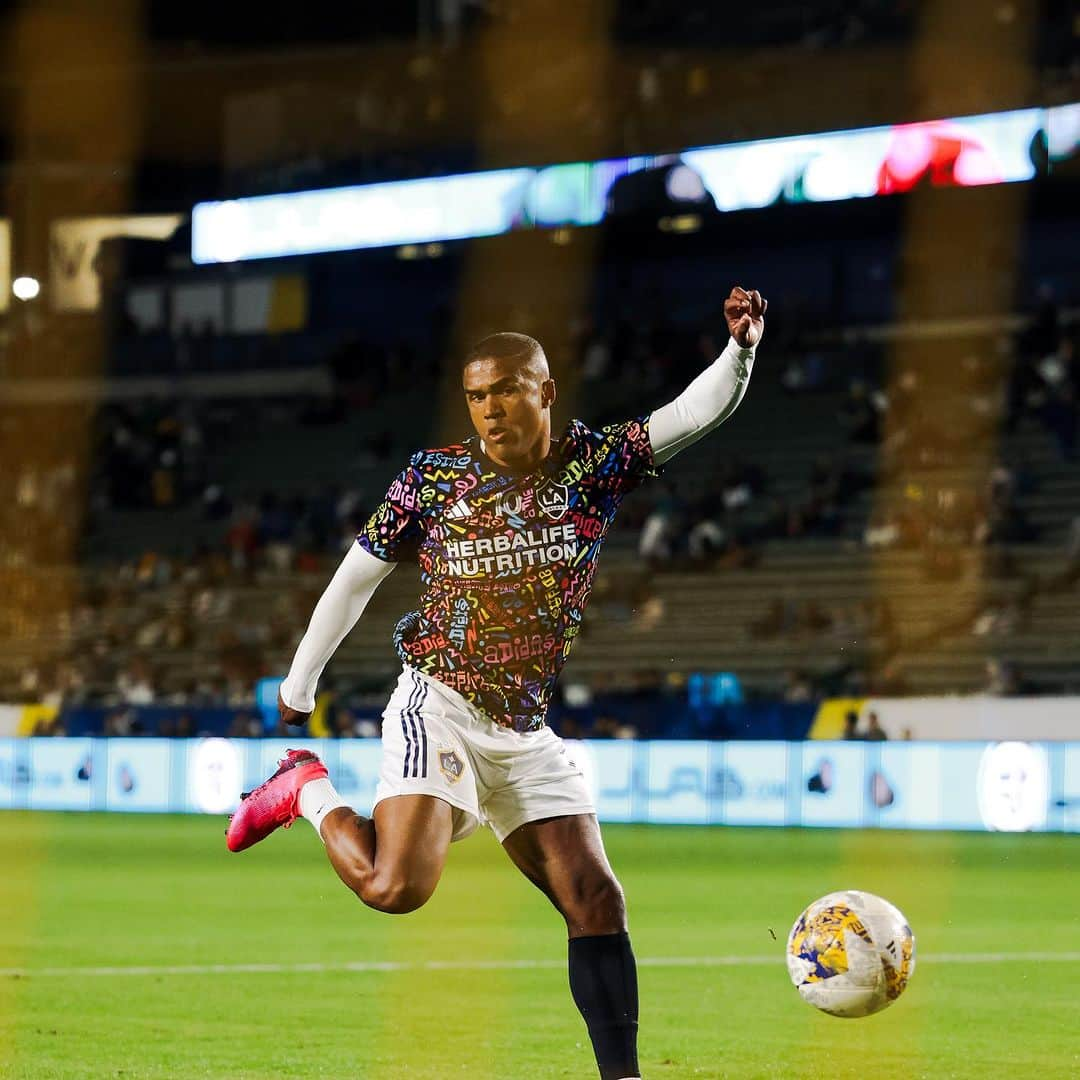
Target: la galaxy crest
(553, 499)
(450, 765)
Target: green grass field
(97, 909)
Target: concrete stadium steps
(707, 618)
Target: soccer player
(506, 528)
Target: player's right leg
(392, 861)
(426, 797)
(398, 873)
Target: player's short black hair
(505, 346)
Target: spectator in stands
(740, 483)
(777, 620)
(1002, 484)
(861, 414)
(242, 539)
(883, 530)
(135, 683)
(349, 503)
(593, 352)
(709, 535)
(185, 727)
(983, 399)
(804, 374)
(569, 728)
(851, 725)
(818, 514)
(1042, 336)
(814, 619)
(215, 503)
(49, 726)
(773, 522)
(874, 731)
(605, 726)
(125, 465)
(1000, 615)
(246, 725)
(659, 535)
(881, 623)
(888, 680)
(649, 609)
(798, 687)
(1003, 523)
(1001, 680)
(275, 532)
(72, 683)
(1059, 395)
(123, 722)
(706, 539)
(164, 481)
(835, 481)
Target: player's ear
(547, 393)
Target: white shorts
(435, 742)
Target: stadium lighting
(26, 288)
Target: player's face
(510, 407)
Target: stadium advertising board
(993, 148)
(1007, 786)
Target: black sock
(603, 981)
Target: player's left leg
(564, 857)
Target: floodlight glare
(25, 288)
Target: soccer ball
(851, 954)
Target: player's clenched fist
(291, 716)
(745, 314)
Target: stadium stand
(825, 540)
(826, 577)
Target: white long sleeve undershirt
(336, 613)
(705, 404)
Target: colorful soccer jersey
(507, 560)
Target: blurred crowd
(187, 595)
(159, 631)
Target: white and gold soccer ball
(851, 954)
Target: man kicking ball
(506, 527)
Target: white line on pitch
(361, 966)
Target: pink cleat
(273, 803)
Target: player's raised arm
(336, 613)
(715, 394)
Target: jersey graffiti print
(507, 560)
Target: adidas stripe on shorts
(435, 742)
